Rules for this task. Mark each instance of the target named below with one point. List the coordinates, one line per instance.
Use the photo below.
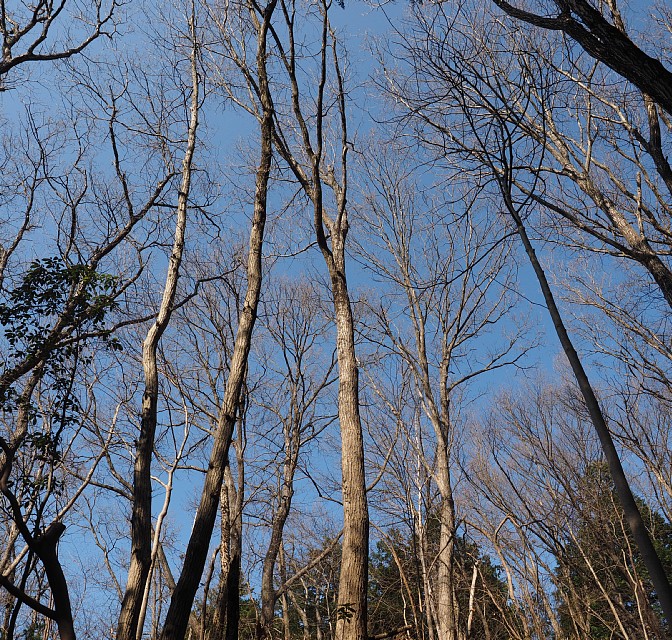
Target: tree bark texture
(196, 554)
(225, 621)
(351, 615)
(141, 517)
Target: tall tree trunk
(331, 233)
(446, 602)
(197, 549)
(631, 511)
(351, 614)
(141, 517)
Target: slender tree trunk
(226, 621)
(630, 509)
(197, 549)
(233, 597)
(319, 635)
(284, 600)
(218, 625)
(351, 610)
(226, 618)
(430, 611)
(232, 592)
(472, 597)
(141, 518)
(301, 611)
(268, 593)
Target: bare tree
(53, 311)
(448, 264)
(302, 135)
(603, 40)
(294, 320)
(198, 371)
(37, 32)
(96, 223)
(141, 520)
(462, 102)
(567, 507)
(197, 550)
(303, 139)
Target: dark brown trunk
(630, 509)
(606, 43)
(233, 598)
(45, 547)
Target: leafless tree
(38, 32)
(293, 318)
(462, 101)
(73, 305)
(305, 129)
(196, 553)
(543, 436)
(304, 135)
(447, 264)
(604, 40)
(141, 520)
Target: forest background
(335, 321)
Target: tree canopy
(321, 331)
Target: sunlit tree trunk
(197, 549)
(331, 230)
(141, 518)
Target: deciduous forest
(335, 321)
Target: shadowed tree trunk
(605, 42)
